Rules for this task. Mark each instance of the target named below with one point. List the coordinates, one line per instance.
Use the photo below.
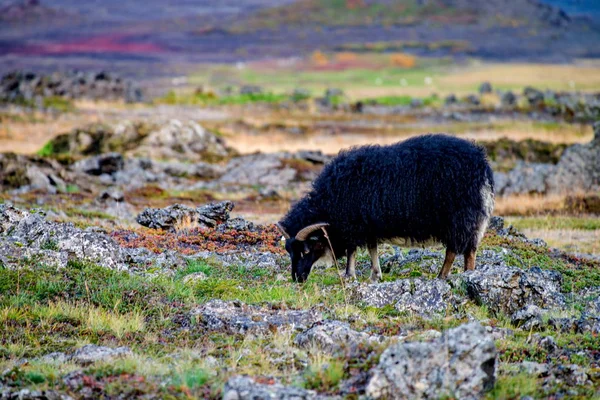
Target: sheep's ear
(283, 232)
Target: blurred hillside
(171, 38)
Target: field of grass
(374, 75)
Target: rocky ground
(136, 262)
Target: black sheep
(432, 188)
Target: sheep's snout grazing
(304, 254)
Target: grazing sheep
(428, 189)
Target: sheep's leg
(470, 260)
(450, 256)
(351, 266)
(375, 268)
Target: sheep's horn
(285, 234)
(305, 232)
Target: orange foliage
(345, 57)
(319, 58)
(353, 4)
(403, 60)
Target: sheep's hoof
(348, 277)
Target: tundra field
(139, 256)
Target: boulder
(508, 99)
(108, 163)
(92, 353)
(419, 296)
(29, 233)
(237, 318)
(332, 336)
(258, 170)
(168, 218)
(508, 289)
(485, 88)
(246, 388)
(534, 97)
(460, 364)
(32, 173)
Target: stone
(61, 241)
(460, 364)
(485, 88)
(247, 388)
(195, 277)
(528, 318)
(534, 368)
(169, 218)
(108, 163)
(419, 296)
(508, 99)
(258, 170)
(450, 99)
(238, 318)
(92, 353)
(473, 100)
(505, 289)
(332, 336)
(534, 97)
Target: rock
(23, 86)
(545, 342)
(251, 89)
(177, 140)
(200, 170)
(213, 214)
(450, 99)
(92, 353)
(508, 99)
(331, 336)
(571, 375)
(238, 318)
(168, 218)
(418, 296)
(29, 394)
(32, 173)
(237, 224)
(533, 96)
(496, 224)
(246, 388)
(508, 289)
(258, 170)
(534, 368)
(416, 103)
(460, 364)
(525, 178)
(473, 100)
(485, 88)
(529, 317)
(61, 241)
(108, 163)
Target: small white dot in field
(378, 81)
(403, 82)
(240, 65)
(571, 84)
(428, 80)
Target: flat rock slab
(88, 354)
(508, 289)
(239, 318)
(419, 296)
(332, 336)
(246, 388)
(460, 364)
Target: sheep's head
(308, 246)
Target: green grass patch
(588, 223)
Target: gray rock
(525, 178)
(460, 364)
(235, 317)
(92, 353)
(195, 277)
(258, 170)
(473, 100)
(534, 368)
(177, 140)
(509, 289)
(331, 336)
(29, 394)
(109, 164)
(450, 100)
(485, 87)
(208, 215)
(508, 99)
(246, 388)
(529, 317)
(533, 96)
(38, 236)
(419, 296)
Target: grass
(556, 222)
